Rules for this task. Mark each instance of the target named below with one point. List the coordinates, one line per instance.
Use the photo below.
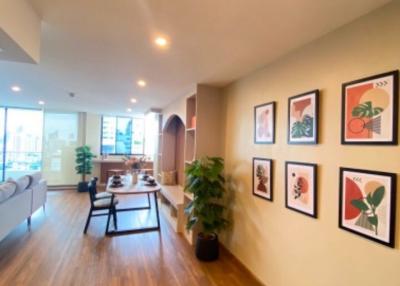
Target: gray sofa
(19, 199)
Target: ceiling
(98, 49)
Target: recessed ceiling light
(141, 83)
(41, 102)
(15, 88)
(161, 42)
(129, 109)
(133, 100)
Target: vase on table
(135, 175)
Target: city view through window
(122, 135)
(21, 141)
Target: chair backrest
(92, 189)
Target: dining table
(128, 188)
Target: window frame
(116, 124)
(3, 162)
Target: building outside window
(122, 135)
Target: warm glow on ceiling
(141, 83)
(133, 100)
(161, 42)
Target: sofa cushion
(7, 190)
(35, 178)
(22, 183)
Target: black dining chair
(100, 204)
(101, 195)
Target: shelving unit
(202, 137)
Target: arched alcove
(173, 147)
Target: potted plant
(84, 165)
(206, 182)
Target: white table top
(129, 189)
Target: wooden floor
(55, 252)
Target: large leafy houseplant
(206, 182)
(84, 165)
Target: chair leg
(148, 200)
(115, 218)
(87, 221)
(44, 208)
(28, 222)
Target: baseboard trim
(233, 257)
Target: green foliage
(84, 164)
(369, 205)
(303, 128)
(206, 182)
(366, 110)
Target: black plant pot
(82, 187)
(207, 247)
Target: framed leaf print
(303, 118)
(301, 187)
(367, 204)
(264, 123)
(370, 110)
(262, 178)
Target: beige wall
(282, 247)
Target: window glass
(23, 142)
(138, 136)
(60, 140)
(109, 126)
(2, 121)
(122, 135)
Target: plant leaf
(373, 220)
(378, 195)
(360, 204)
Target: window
(23, 144)
(2, 126)
(60, 138)
(122, 135)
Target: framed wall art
(370, 110)
(262, 178)
(303, 118)
(301, 187)
(367, 204)
(264, 123)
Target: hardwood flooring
(56, 252)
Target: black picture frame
(395, 95)
(392, 213)
(314, 167)
(273, 106)
(316, 94)
(271, 181)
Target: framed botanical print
(303, 118)
(367, 204)
(370, 110)
(264, 123)
(301, 187)
(262, 178)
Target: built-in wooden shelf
(172, 201)
(189, 196)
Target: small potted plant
(84, 165)
(206, 182)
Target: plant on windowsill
(84, 165)
(205, 181)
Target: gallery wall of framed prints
(369, 116)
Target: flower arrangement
(135, 162)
